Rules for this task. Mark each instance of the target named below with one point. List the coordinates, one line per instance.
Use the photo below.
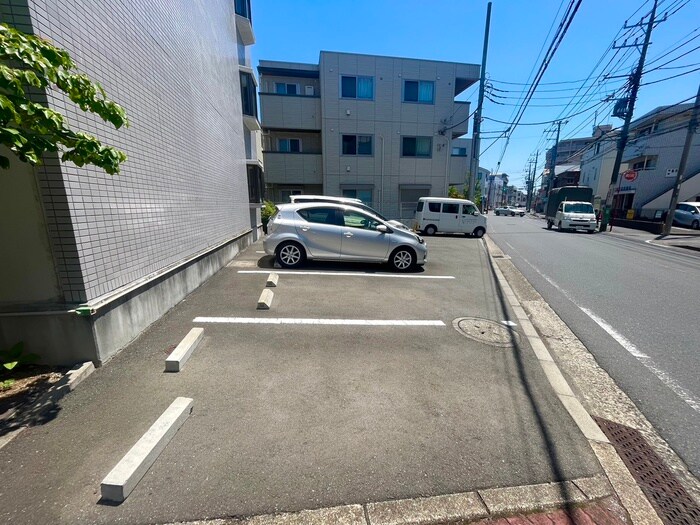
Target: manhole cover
(486, 331)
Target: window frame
(416, 156)
(357, 145)
(286, 85)
(373, 223)
(418, 100)
(357, 96)
(289, 141)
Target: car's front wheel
(695, 225)
(290, 254)
(479, 232)
(430, 230)
(402, 259)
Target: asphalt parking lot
(353, 387)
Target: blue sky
(453, 31)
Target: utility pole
(476, 138)
(692, 127)
(532, 182)
(629, 110)
(553, 160)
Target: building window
(357, 145)
(285, 194)
(282, 88)
(416, 147)
(647, 130)
(242, 8)
(459, 152)
(248, 98)
(365, 195)
(357, 87)
(289, 145)
(421, 91)
(256, 184)
(645, 163)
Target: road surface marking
(259, 251)
(510, 246)
(644, 359)
(290, 320)
(353, 274)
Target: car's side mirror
(383, 229)
(475, 213)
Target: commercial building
(381, 129)
(651, 159)
(90, 260)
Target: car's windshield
(578, 207)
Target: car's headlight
(420, 240)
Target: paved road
(634, 306)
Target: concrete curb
(63, 386)
(464, 507)
(628, 492)
(272, 280)
(265, 300)
(177, 359)
(124, 477)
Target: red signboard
(630, 175)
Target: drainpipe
(448, 147)
(381, 179)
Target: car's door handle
(305, 228)
(348, 234)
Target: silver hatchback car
(339, 232)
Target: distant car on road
(688, 214)
(339, 232)
(509, 210)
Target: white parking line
(353, 274)
(291, 320)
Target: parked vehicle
(509, 210)
(580, 194)
(339, 232)
(573, 215)
(441, 214)
(350, 201)
(687, 214)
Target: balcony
(460, 119)
(244, 22)
(290, 111)
(293, 168)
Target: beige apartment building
(381, 129)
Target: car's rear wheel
(497, 213)
(549, 225)
(290, 254)
(695, 225)
(430, 230)
(559, 227)
(479, 232)
(402, 259)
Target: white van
(441, 214)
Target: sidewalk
(678, 238)
(311, 415)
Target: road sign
(630, 175)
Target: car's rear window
(434, 207)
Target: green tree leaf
(31, 129)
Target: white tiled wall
(173, 65)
